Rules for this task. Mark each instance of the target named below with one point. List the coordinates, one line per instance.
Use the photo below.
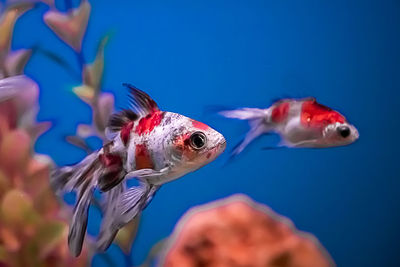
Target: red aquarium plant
(236, 231)
(33, 225)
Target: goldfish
(146, 144)
(299, 122)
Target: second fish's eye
(344, 131)
(198, 140)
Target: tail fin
(258, 125)
(83, 178)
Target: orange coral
(238, 232)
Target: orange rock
(239, 232)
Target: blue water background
(190, 54)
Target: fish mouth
(218, 149)
(222, 145)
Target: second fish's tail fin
(83, 178)
(258, 124)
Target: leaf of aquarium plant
(126, 235)
(105, 107)
(84, 130)
(93, 73)
(79, 142)
(9, 240)
(84, 92)
(70, 27)
(16, 61)
(17, 208)
(46, 203)
(49, 235)
(15, 151)
(37, 175)
(47, 2)
(3, 254)
(7, 25)
(4, 183)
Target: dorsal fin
(141, 102)
(118, 120)
(141, 105)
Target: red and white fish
(147, 144)
(299, 122)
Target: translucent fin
(79, 221)
(124, 209)
(256, 130)
(141, 102)
(258, 125)
(244, 113)
(83, 179)
(112, 198)
(67, 178)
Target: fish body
(147, 144)
(299, 122)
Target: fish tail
(258, 125)
(82, 178)
(67, 178)
(122, 207)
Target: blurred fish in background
(299, 123)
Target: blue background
(191, 54)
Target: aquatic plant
(33, 225)
(11, 62)
(237, 231)
(37, 223)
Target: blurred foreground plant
(33, 226)
(33, 223)
(236, 231)
(11, 62)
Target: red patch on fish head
(147, 124)
(315, 115)
(126, 132)
(182, 145)
(142, 157)
(200, 125)
(280, 112)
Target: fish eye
(344, 131)
(198, 140)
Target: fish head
(339, 134)
(194, 144)
(327, 127)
